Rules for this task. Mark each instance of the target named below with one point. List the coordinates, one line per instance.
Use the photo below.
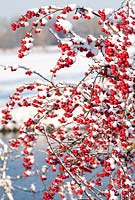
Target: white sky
(11, 8)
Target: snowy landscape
(41, 60)
(73, 109)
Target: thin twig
(38, 74)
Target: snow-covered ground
(41, 60)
